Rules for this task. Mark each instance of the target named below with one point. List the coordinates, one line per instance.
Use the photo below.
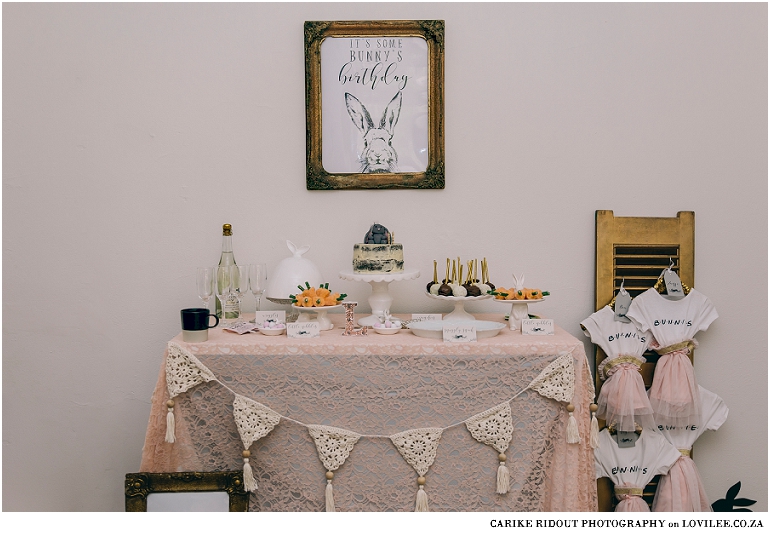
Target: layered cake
(378, 253)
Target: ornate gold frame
(433, 33)
(139, 485)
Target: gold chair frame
(140, 485)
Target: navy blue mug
(196, 324)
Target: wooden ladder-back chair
(634, 251)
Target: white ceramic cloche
(292, 272)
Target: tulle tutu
(681, 490)
(674, 394)
(630, 503)
(623, 399)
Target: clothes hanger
(613, 431)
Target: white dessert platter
(519, 310)
(324, 323)
(459, 313)
(435, 329)
(380, 299)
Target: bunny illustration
(378, 156)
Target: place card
(537, 327)
(304, 329)
(426, 317)
(272, 316)
(459, 333)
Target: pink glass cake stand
(380, 300)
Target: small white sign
(305, 329)
(459, 333)
(272, 316)
(537, 327)
(426, 317)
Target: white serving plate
(435, 329)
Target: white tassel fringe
(503, 479)
(594, 431)
(422, 501)
(329, 497)
(249, 483)
(170, 424)
(573, 436)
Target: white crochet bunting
(253, 419)
(184, 371)
(418, 447)
(333, 444)
(557, 380)
(493, 427)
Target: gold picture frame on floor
(140, 485)
(374, 102)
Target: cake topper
(378, 235)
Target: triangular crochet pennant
(557, 380)
(494, 427)
(333, 445)
(253, 419)
(418, 448)
(184, 370)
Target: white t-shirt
(713, 415)
(634, 467)
(616, 337)
(672, 321)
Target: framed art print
(374, 104)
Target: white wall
(131, 132)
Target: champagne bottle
(231, 310)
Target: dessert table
(377, 386)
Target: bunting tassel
(249, 483)
(594, 426)
(421, 506)
(170, 422)
(503, 476)
(573, 435)
(329, 492)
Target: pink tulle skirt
(623, 399)
(681, 490)
(630, 503)
(674, 394)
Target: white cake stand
(459, 313)
(519, 310)
(324, 323)
(380, 300)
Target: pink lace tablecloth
(381, 385)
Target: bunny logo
(378, 155)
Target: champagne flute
(258, 280)
(222, 287)
(240, 278)
(205, 280)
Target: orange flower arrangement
(525, 294)
(316, 297)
